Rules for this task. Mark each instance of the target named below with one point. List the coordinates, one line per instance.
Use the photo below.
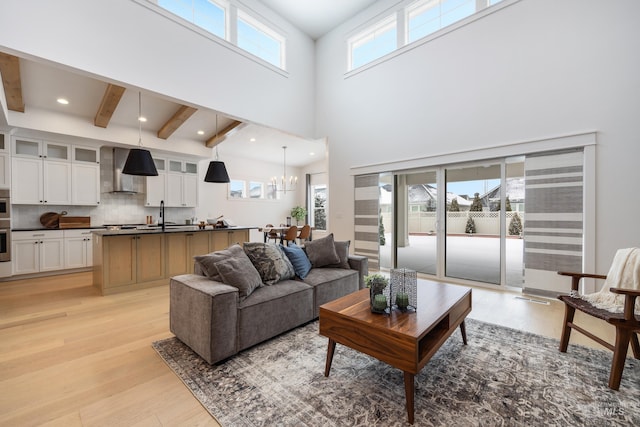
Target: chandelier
(285, 183)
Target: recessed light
(312, 153)
(252, 139)
(200, 132)
(62, 101)
(142, 119)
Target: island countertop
(168, 229)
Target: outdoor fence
(485, 222)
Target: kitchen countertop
(168, 229)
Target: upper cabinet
(176, 183)
(52, 173)
(157, 185)
(85, 176)
(5, 162)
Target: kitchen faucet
(162, 213)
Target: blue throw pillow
(298, 258)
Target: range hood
(122, 183)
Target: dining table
(281, 230)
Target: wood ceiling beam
(178, 119)
(217, 139)
(110, 101)
(10, 70)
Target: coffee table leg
(409, 393)
(463, 331)
(330, 350)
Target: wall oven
(5, 204)
(5, 240)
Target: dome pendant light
(139, 161)
(217, 171)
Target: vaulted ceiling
(29, 85)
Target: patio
(472, 257)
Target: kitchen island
(125, 260)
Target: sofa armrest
(360, 263)
(203, 315)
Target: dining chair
(305, 233)
(272, 234)
(290, 235)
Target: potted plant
(299, 213)
(376, 284)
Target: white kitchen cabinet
(5, 170)
(85, 184)
(85, 176)
(37, 251)
(182, 184)
(156, 185)
(78, 248)
(41, 172)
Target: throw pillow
(322, 251)
(207, 262)
(239, 272)
(342, 249)
(270, 261)
(298, 258)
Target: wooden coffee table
(403, 340)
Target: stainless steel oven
(5, 240)
(5, 204)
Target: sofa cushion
(270, 261)
(298, 258)
(322, 251)
(207, 263)
(342, 249)
(238, 271)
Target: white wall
(125, 42)
(535, 69)
(252, 212)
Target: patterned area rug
(504, 377)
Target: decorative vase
(378, 302)
(402, 300)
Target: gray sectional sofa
(225, 307)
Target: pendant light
(139, 160)
(217, 171)
(286, 183)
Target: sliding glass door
(472, 238)
(416, 221)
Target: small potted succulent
(377, 283)
(298, 213)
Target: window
(319, 201)
(213, 16)
(206, 14)
(427, 17)
(256, 190)
(258, 39)
(420, 19)
(373, 43)
(236, 189)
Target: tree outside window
(319, 193)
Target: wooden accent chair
(627, 324)
(305, 233)
(272, 234)
(290, 235)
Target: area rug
(503, 377)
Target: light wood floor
(70, 357)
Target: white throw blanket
(624, 273)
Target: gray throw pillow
(270, 261)
(239, 272)
(207, 262)
(342, 249)
(322, 252)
